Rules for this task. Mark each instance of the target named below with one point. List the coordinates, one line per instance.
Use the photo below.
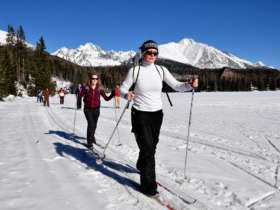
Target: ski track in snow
(43, 167)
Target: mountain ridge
(186, 51)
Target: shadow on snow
(68, 107)
(68, 136)
(107, 168)
(89, 159)
(71, 137)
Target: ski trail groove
(253, 175)
(62, 186)
(198, 141)
(262, 198)
(278, 162)
(273, 145)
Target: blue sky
(249, 29)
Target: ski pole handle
(127, 105)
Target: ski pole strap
(162, 81)
(134, 79)
(170, 102)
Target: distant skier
(46, 94)
(61, 94)
(41, 96)
(77, 92)
(146, 112)
(91, 93)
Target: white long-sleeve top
(149, 85)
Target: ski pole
(74, 120)
(119, 141)
(107, 144)
(188, 138)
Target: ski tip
(99, 161)
(182, 181)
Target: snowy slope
(233, 155)
(93, 55)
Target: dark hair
(149, 44)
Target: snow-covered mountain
(93, 55)
(201, 55)
(3, 37)
(186, 51)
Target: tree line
(34, 68)
(23, 66)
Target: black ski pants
(61, 100)
(92, 115)
(79, 103)
(146, 127)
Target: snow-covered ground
(233, 156)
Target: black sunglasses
(151, 53)
(94, 78)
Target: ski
(158, 197)
(162, 202)
(189, 201)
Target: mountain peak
(92, 55)
(187, 41)
(259, 63)
(89, 46)
(201, 55)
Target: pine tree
(8, 75)
(40, 70)
(20, 54)
(21, 34)
(11, 36)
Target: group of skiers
(43, 97)
(143, 86)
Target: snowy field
(233, 157)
